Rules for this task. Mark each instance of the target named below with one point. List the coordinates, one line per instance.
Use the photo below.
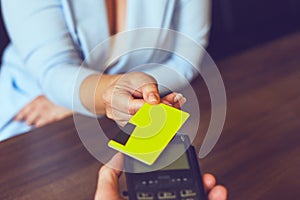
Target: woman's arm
(40, 36)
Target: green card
(151, 130)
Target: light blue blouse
(51, 38)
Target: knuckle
(130, 109)
(29, 122)
(109, 114)
(107, 96)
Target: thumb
(116, 163)
(108, 180)
(150, 93)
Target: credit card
(149, 131)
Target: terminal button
(145, 196)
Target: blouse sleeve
(191, 18)
(40, 36)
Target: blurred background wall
(3, 36)
(239, 24)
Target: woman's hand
(127, 94)
(121, 96)
(41, 111)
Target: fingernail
(178, 97)
(153, 97)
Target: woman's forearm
(92, 90)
